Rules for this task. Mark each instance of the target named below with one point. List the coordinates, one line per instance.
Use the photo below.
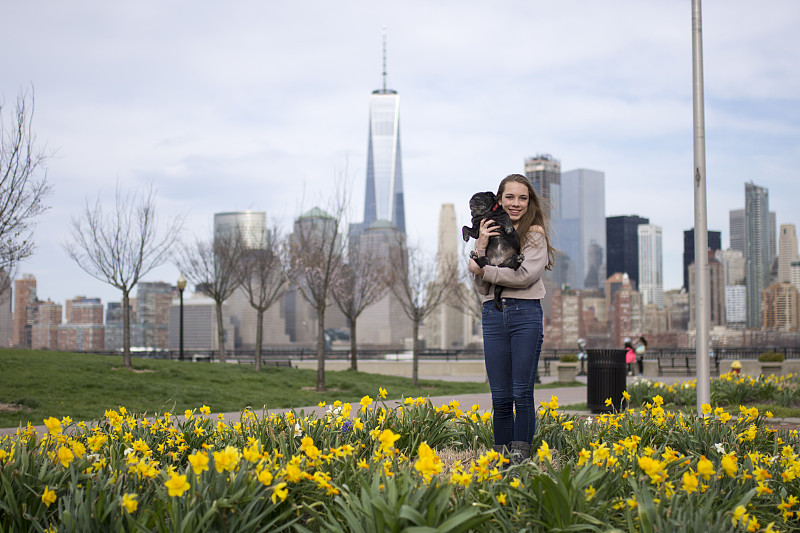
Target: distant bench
(243, 360)
(684, 365)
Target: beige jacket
(524, 283)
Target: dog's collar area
(495, 207)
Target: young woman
(512, 336)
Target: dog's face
(482, 203)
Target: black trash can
(605, 378)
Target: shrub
(771, 357)
(569, 358)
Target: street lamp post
(181, 286)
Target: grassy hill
(37, 384)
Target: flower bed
(379, 467)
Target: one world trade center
(384, 191)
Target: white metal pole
(702, 293)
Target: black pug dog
(503, 250)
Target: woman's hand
(489, 228)
(474, 268)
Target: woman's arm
(530, 271)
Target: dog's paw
(473, 255)
(520, 259)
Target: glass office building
(251, 225)
(580, 232)
(651, 265)
(757, 253)
(384, 191)
(622, 240)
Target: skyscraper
(384, 191)
(736, 228)
(757, 253)
(651, 281)
(780, 307)
(787, 252)
(714, 244)
(251, 225)
(622, 240)
(544, 173)
(716, 280)
(579, 232)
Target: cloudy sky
(262, 105)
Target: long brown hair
(534, 216)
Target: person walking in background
(641, 347)
(630, 356)
(512, 335)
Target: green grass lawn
(37, 384)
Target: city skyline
(226, 110)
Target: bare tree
(262, 279)
(23, 184)
(211, 265)
(358, 284)
(316, 252)
(121, 246)
(421, 287)
(465, 296)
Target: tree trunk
(220, 333)
(353, 346)
(321, 349)
(415, 355)
(126, 330)
(259, 337)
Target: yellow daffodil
(279, 491)
(428, 463)
(583, 456)
(762, 489)
(176, 485)
(53, 425)
(544, 452)
(227, 459)
(199, 462)
(461, 478)
(130, 503)
(387, 438)
(690, 482)
(705, 468)
(265, 477)
(729, 465)
(653, 468)
(48, 496)
(65, 456)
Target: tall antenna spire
(384, 58)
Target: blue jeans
(512, 342)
